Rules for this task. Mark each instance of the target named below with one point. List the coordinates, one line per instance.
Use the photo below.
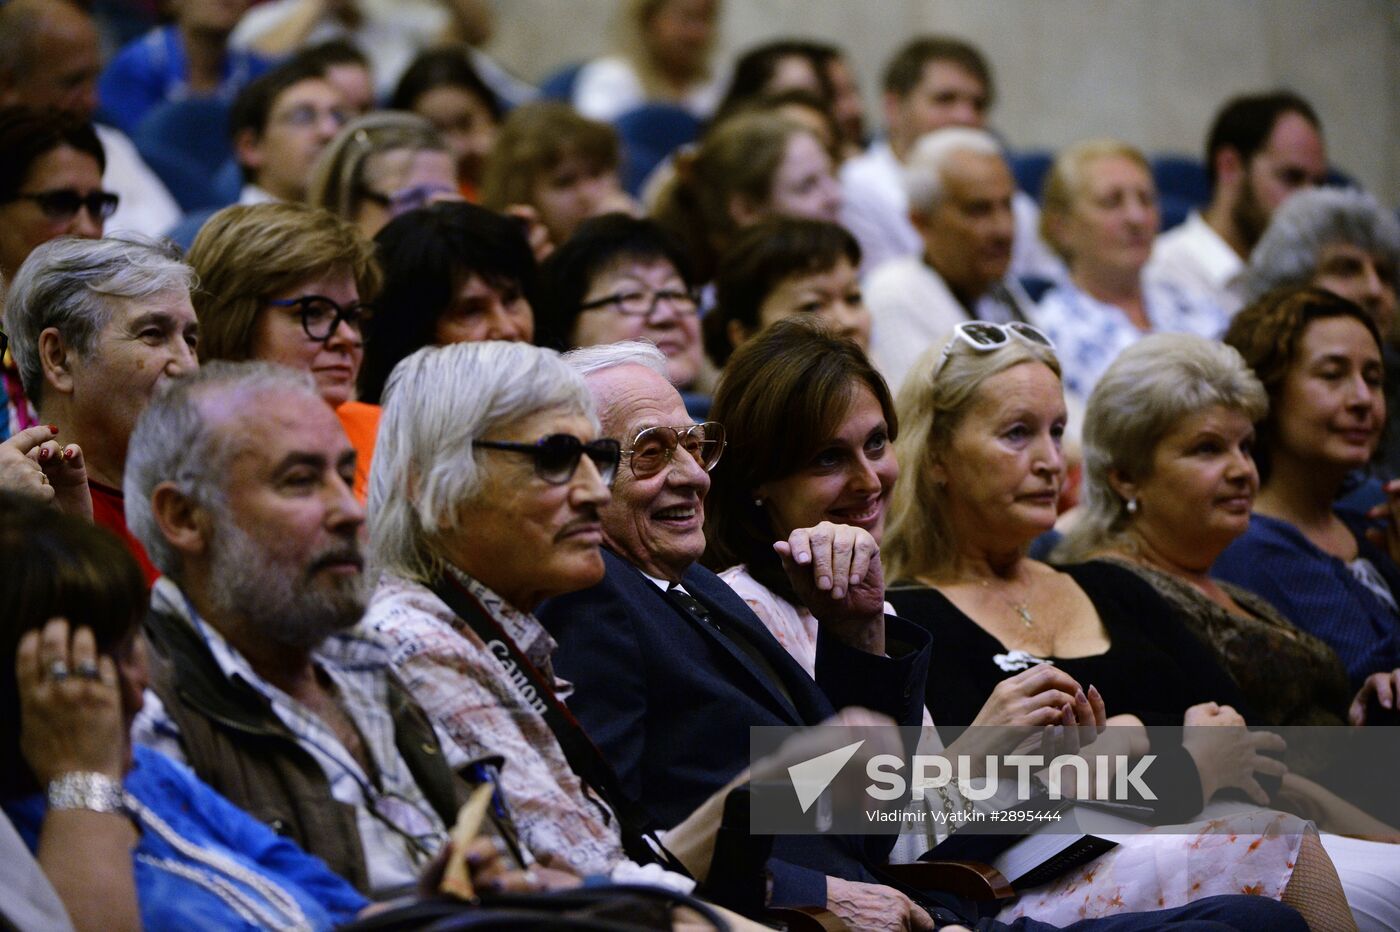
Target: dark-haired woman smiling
(1319, 358)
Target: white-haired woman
(1100, 213)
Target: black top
(1154, 667)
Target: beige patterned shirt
(450, 672)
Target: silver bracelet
(83, 789)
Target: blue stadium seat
(560, 84)
(186, 142)
(649, 134)
(1029, 169)
(1182, 186)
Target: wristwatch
(82, 789)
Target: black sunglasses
(64, 203)
(321, 315)
(557, 456)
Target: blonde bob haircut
(919, 537)
(248, 252)
(1067, 179)
(1148, 390)
(436, 403)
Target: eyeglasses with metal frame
(644, 303)
(654, 448)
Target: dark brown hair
(1267, 333)
(906, 69)
(783, 396)
(52, 566)
(762, 258)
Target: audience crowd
(412, 476)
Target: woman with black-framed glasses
(289, 284)
(622, 278)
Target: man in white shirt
(50, 58)
(932, 83)
(280, 123)
(1261, 149)
(960, 194)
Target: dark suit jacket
(669, 700)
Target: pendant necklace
(1021, 608)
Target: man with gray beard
(239, 483)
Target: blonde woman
(380, 166)
(1100, 213)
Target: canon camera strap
(639, 835)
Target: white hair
(69, 283)
(590, 359)
(929, 158)
(173, 442)
(436, 402)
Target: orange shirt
(361, 423)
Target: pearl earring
(1132, 506)
(758, 503)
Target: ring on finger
(58, 671)
(87, 670)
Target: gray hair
(175, 441)
(341, 173)
(1149, 389)
(1311, 220)
(70, 283)
(929, 158)
(437, 401)
(590, 359)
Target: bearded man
(239, 482)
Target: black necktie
(693, 607)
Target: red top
(109, 511)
